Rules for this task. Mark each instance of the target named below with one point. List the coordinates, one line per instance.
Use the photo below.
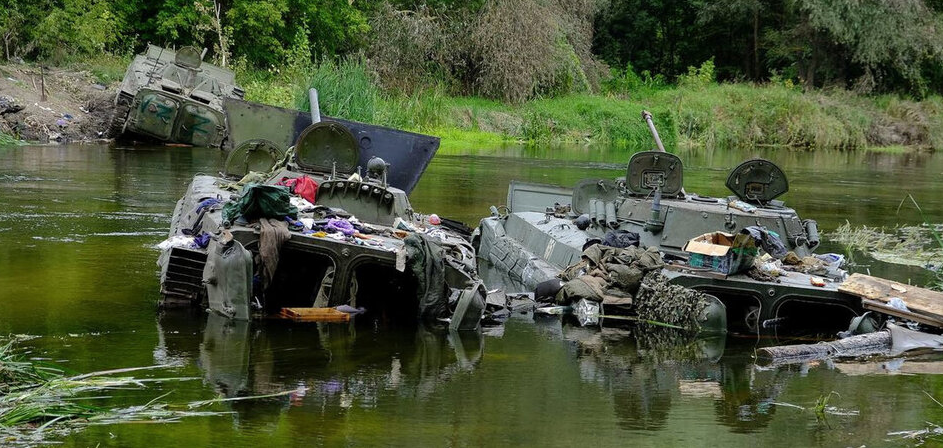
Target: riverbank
(76, 106)
(704, 114)
(700, 114)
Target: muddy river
(77, 269)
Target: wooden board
(314, 315)
(878, 291)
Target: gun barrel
(651, 127)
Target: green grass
(8, 140)
(105, 68)
(892, 149)
(692, 115)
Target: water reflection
(645, 368)
(82, 218)
(328, 366)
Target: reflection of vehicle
(357, 240)
(535, 239)
(333, 362)
(172, 96)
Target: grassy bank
(694, 114)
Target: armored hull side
(534, 242)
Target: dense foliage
(515, 49)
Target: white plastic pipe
(315, 107)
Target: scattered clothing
(206, 204)
(768, 240)
(620, 239)
(260, 201)
(294, 225)
(425, 259)
(340, 225)
(273, 234)
(176, 241)
(303, 186)
(202, 240)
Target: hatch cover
(758, 181)
(648, 169)
(322, 145)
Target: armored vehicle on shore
(545, 229)
(173, 96)
(306, 229)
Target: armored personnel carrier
(339, 236)
(545, 229)
(173, 96)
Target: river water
(77, 269)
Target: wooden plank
(919, 300)
(314, 315)
(881, 307)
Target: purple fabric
(206, 203)
(202, 240)
(340, 225)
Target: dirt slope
(75, 109)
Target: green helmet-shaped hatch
(325, 146)
(757, 181)
(650, 169)
(189, 57)
(257, 155)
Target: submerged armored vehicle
(545, 229)
(173, 96)
(338, 236)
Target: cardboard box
(721, 252)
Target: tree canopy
(515, 49)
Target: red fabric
(303, 186)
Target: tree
(77, 27)
(11, 21)
(214, 11)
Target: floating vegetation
(907, 245)
(39, 401)
(920, 245)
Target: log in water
(865, 344)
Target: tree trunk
(223, 50)
(756, 45)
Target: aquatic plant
(38, 401)
(8, 140)
(920, 245)
(907, 245)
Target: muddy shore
(75, 109)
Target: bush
(345, 89)
(622, 82)
(512, 50)
(698, 77)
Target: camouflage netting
(659, 301)
(609, 275)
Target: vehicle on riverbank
(305, 230)
(545, 230)
(174, 97)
